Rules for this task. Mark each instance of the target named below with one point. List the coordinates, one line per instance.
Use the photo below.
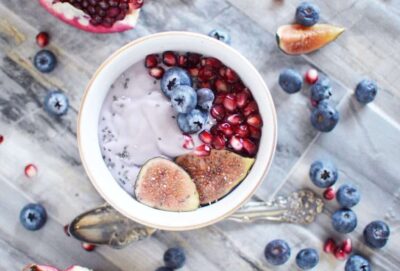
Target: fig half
(164, 185)
(217, 174)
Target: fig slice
(162, 184)
(37, 267)
(217, 174)
(296, 39)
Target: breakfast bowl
(93, 158)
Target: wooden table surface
(365, 145)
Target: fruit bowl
(88, 124)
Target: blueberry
(45, 61)
(183, 123)
(307, 258)
(220, 35)
(290, 81)
(205, 98)
(324, 117)
(174, 257)
(344, 220)
(277, 252)
(174, 77)
(366, 91)
(321, 90)
(376, 234)
(197, 120)
(357, 263)
(33, 216)
(348, 195)
(307, 14)
(183, 99)
(164, 268)
(56, 103)
(323, 174)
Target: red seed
(329, 193)
(242, 98)
(66, 230)
(169, 58)
(30, 170)
(250, 108)
(218, 112)
(205, 84)
(222, 72)
(231, 76)
(211, 61)
(329, 245)
(42, 39)
(254, 132)
(340, 254)
(194, 72)
(235, 119)
(225, 128)
(151, 61)
(218, 142)
(188, 142)
(1, 139)
(230, 102)
(182, 61)
(236, 143)
(254, 120)
(242, 130)
(193, 59)
(311, 76)
(88, 247)
(219, 98)
(249, 146)
(237, 87)
(221, 86)
(206, 73)
(202, 150)
(136, 4)
(156, 72)
(206, 137)
(347, 246)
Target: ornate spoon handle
(105, 226)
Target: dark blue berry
(290, 81)
(357, 263)
(56, 103)
(183, 99)
(324, 117)
(366, 91)
(174, 77)
(33, 216)
(183, 123)
(323, 174)
(277, 252)
(205, 98)
(348, 195)
(197, 120)
(307, 258)
(321, 90)
(45, 61)
(307, 14)
(376, 234)
(220, 35)
(174, 257)
(344, 220)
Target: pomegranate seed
(218, 112)
(222, 72)
(194, 72)
(66, 230)
(235, 119)
(193, 59)
(204, 85)
(202, 150)
(182, 61)
(88, 247)
(214, 130)
(347, 246)
(311, 76)
(251, 108)
(1, 139)
(225, 128)
(329, 193)
(242, 98)
(237, 87)
(211, 61)
(242, 130)
(329, 245)
(137, 3)
(254, 132)
(169, 58)
(206, 137)
(231, 76)
(42, 39)
(236, 143)
(188, 142)
(254, 120)
(219, 98)
(230, 102)
(340, 254)
(218, 142)
(221, 86)
(151, 61)
(249, 146)
(206, 73)
(30, 171)
(156, 72)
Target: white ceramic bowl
(88, 120)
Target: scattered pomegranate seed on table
(311, 76)
(1, 139)
(329, 245)
(329, 193)
(30, 170)
(340, 254)
(347, 246)
(42, 39)
(88, 247)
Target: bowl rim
(111, 58)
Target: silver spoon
(105, 226)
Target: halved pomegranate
(98, 16)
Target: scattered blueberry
(196, 120)
(324, 117)
(183, 99)
(33, 216)
(307, 14)
(323, 174)
(366, 91)
(376, 234)
(56, 103)
(174, 77)
(307, 258)
(45, 61)
(277, 252)
(164, 268)
(344, 220)
(220, 35)
(174, 257)
(290, 81)
(357, 263)
(348, 195)
(321, 90)
(205, 98)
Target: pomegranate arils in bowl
(183, 61)
(218, 141)
(242, 98)
(221, 85)
(236, 143)
(211, 61)
(225, 128)
(206, 137)
(151, 61)
(251, 108)
(193, 59)
(218, 112)
(255, 132)
(235, 119)
(169, 58)
(136, 3)
(206, 73)
(254, 120)
(242, 130)
(230, 103)
(231, 76)
(202, 150)
(249, 146)
(157, 72)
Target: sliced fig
(296, 39)
(37, 267)
(164, 185)
(217, 174)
